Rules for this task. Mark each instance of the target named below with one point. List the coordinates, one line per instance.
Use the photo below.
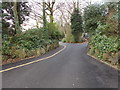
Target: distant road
(71, 68)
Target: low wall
(21, 54)
(111, 58)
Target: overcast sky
(31, 22)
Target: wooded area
(69, 22)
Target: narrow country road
(71, 68)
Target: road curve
(71, 68)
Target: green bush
(64, 40)
(53, 31)
(102, 29)
(92, 15)
(69, 38)
(104, 44)
(26, 44)
(6, 45)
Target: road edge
(8, 69)
(116, 68)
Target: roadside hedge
(104, 48)
(27, 44)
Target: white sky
(32, 23)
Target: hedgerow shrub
(104, 44)
(27, 42)
(53, 31)
(69, 38)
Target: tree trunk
(78, 4)
(44, 21)
(44, 17)
(51, 16)
(17, 25)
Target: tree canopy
(8, 17)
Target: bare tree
(51, 7)
(36, 14)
